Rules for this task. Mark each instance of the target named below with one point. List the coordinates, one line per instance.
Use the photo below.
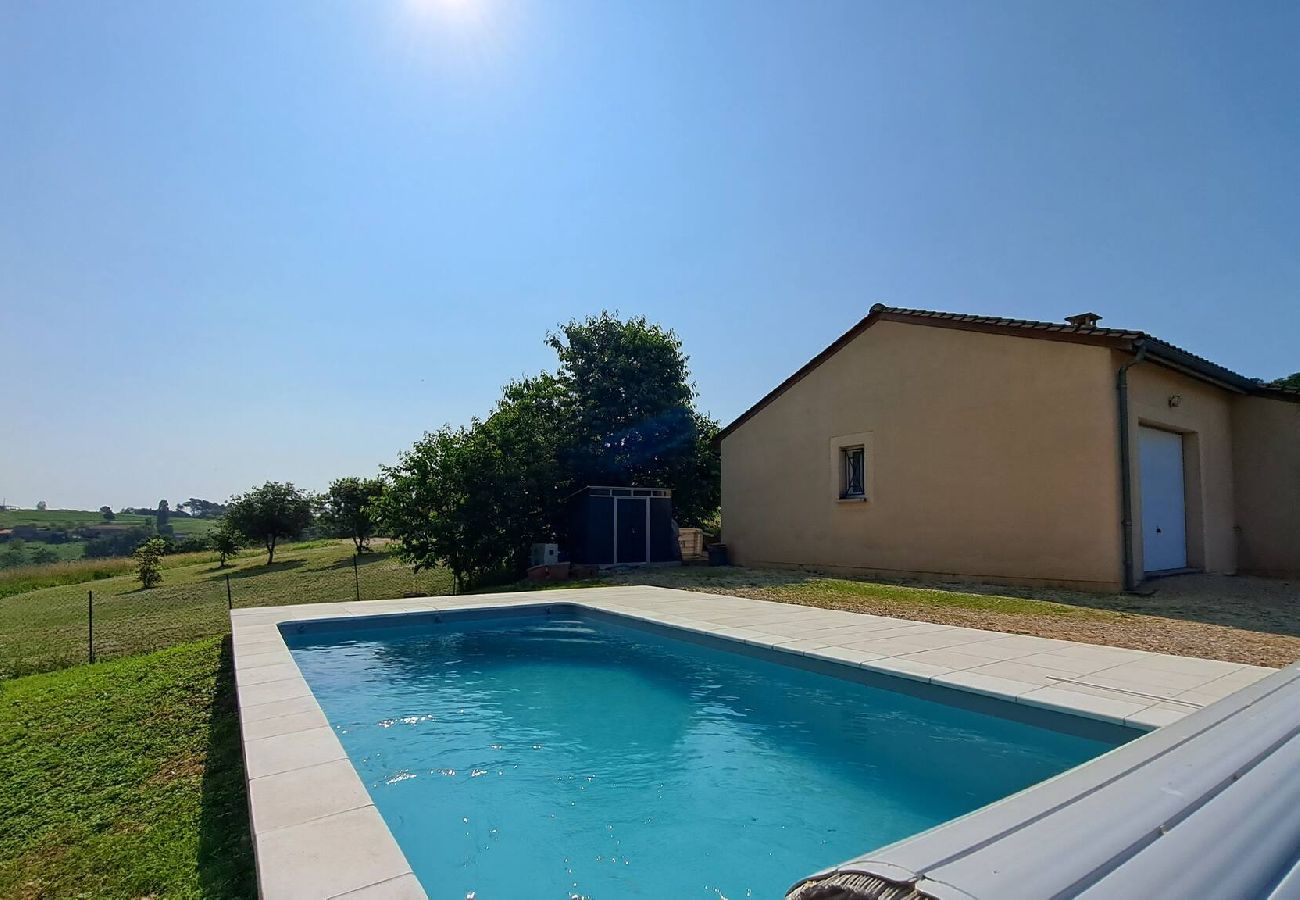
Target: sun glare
(466, 37)
(451, 10)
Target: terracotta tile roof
(1117, 338)
(1023, 324)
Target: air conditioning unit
(544, 555)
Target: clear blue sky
(243, 241)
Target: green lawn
(46, 628)
(125, 779)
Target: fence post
(356, 575)
(229, 603)
(90, 625)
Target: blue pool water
(567, 756)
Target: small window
(853, 463)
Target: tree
(347, 509)
(40, 505)
(631, 418)
(164, 515)
(43, 555)
(474, 499)
(618, 411)
(204, 509)
(443, 508)
(226, 541)
(273, 511)
(107, 513)
(148, 557)
(1291, 381)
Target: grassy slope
(124, 779)
(45, 629)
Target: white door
(1164, 509)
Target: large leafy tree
(1291, 381)
(346, 509)
(630, 412)
(619, 410)
(268, 513)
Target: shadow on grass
(363, 560)
(225, 848)
(257, 571)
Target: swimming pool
(576, 754)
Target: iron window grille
(854, 469)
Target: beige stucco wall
(1204, 417)
(988, 456)
(1266, 449)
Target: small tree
(348, 509)
(43, 555)
(273, 511)
(40, 505)
(148, 557)
(107, 513)
(226, 541)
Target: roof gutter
(1125, 462)
(1184, 362)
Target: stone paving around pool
(317, 834)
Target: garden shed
(622, 526)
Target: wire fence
(70, 625)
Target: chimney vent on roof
(1084, 320)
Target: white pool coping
(317, 833)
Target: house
(981, 448)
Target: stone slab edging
(317, 833)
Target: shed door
(632, 533)
(1164, 508)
